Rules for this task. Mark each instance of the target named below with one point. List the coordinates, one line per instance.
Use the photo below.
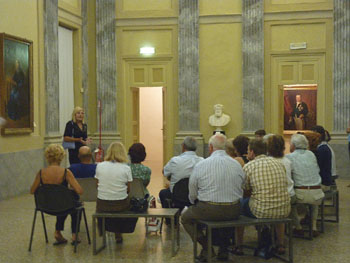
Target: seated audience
(179, 167)
(259, 134)
(266, 191)
(113, 184)
(215, 190)
(275, 149)
(54, 174)
(137, 154)
(85, 168)
(241, 145)
(324, 159)
(305, 174)
(231, 151)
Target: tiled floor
(16, 217)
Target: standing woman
(76, 131)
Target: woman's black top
(73, 130)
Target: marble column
(85, 58)
(188, 90)
(253, 64)
(106, 67)
(341, 70)
(341, 84)
(52, 133)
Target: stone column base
(179, 138)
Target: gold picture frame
(299, 107)
(16, 84)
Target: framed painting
(300, 107)
(16, 84)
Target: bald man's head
(85, 155)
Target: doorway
(150, 105)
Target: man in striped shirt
(215, 188)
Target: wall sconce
(147, 50)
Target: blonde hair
(75, 111)
(54, 153)
(116, 152)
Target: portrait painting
(16, 84)
(300, 107)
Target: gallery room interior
(151, 71)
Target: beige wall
(153, 22)
(14, 21)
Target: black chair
(179, 197)
(57, 200)
(180, 194)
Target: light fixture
(147, 50)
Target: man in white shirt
(215, 189)
(180, 167)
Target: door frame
(168, 100)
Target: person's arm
(74, 183)
(169, 168)
(35, 184)
(247, 191)
(193, 186)
(129, 179)
(147, 176)
(324, 160)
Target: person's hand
(290, 120)
(301, 116)
(88, 141)
(81, 140)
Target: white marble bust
(219, 119)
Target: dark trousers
(163, 195)
(60, 222)
(116, 225)
(212, 212)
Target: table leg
(195, 242)
(93, 235)
(104, 231)
(173, 235)
(290, 242)
(96, 250)
(178, 230)
(209, 244)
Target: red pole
(100, 106)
